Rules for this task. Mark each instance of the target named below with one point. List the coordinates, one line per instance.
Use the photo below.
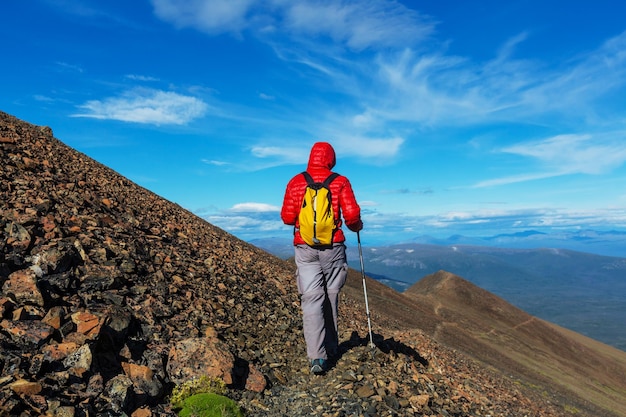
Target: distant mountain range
(608, 243)
(581, 291)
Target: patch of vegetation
(204, 397)
(209, 405)
(571, 409)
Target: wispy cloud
(146, 106)
(579, 83)
(136, 77)
(213, 17)
(246, 226)
(367, 147)
(577, 153)
(356, 24)
(215, 162)
(67, 67)
(431, 88)
(254, 208)
(359, 25)
(514, 179)
(95, 14)
(532, 218)
(395, 79)
(247, 219)
(285, 155)
(40, 97)
(567, 154)
(421, 191)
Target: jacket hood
(322, 156)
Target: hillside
(581, 291)
(542, 352)
(112, 295)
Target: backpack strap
(327, 181)
(330, 179)
(308, 178)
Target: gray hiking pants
(321, 275)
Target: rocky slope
(111, 296)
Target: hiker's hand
(355, 227)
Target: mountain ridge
(485, 326)
(492, 318)
(112, 295)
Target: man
(321, 271)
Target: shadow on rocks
(381, 344)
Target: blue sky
(449, 117)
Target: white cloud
(513, 179)
(136, 77)
(65, 67)
(400, 83)
(590, 154)
(373, 53)
(215, 162)
(245, 226)
(366, 147)
(146, 106)
(288, 155)
(577, 153)
(345, 146)
(249, 224)
(582, 82)
(40, 97)
(486, 222)
(356, 24)
(432, 88)
(254, 207)
(210, 16)
(359, 24)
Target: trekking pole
(367, 307)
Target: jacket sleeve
(350, 207)
(290, 208)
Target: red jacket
(321, 161)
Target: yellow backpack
(316, 217)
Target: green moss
(209, 405)
(200, 385)
(203, 397)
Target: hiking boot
(318, 366)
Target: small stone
(349, 375)
(119, 390)
(22, 286)
(142, 378)
(86, 323)
(29, 332)
(141, 412)
(59, 351)
(81, 358)
(419, 401)
(365, 391)
(23, 387)
(54, 317)
(196, 357)
(256, 381)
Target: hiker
(322, 270)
